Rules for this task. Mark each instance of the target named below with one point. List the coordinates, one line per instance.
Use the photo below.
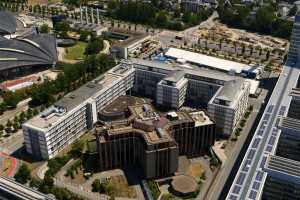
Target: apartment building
(229, 104)
(150, 139)
(58, 126)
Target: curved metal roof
(8, 23)
(37, 49)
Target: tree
(44, 28)
(98, 186)
(48, 180)
(12, 99)
(77, 148)
(2, 108)
(1, 127)
(62, 28)
(35, 111)
(8, 123)
(94, 46)
(264, 19)
(35, 183)
(112, 5)
(293, 11)
(23, 174)
(83, 35)
(162, 19)
(16, 126)
(72, 2)
(167, 196)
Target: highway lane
(250, 166)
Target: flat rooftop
(131, 37)
(174, 76)
(189, 71)
(291, 124)
(209, 61)
(283, 168)
(200, 118)
(229, 91)
(73, 99)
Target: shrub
(23, 174)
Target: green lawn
(76, 52)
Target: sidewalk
(225, 170)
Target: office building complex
(141, 140)
(10, 189)
(168, 85)
(270, 168)
(194, 132)
(49, 132)
(283, 168)
(137, 135)
(226, 97)
(294, 111)
(283, 180)
(294, 48)
(228, 105)
(288, 144)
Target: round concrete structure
(183, 185)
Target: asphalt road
(167, 37)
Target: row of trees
(15, 124)
(54, 165)
(145, 13)
(72, 77)
(23, 176)
(264, 21)
(103, 187)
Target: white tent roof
(209, 61)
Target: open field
(121, 187)
(76, 52)
(195, 170)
